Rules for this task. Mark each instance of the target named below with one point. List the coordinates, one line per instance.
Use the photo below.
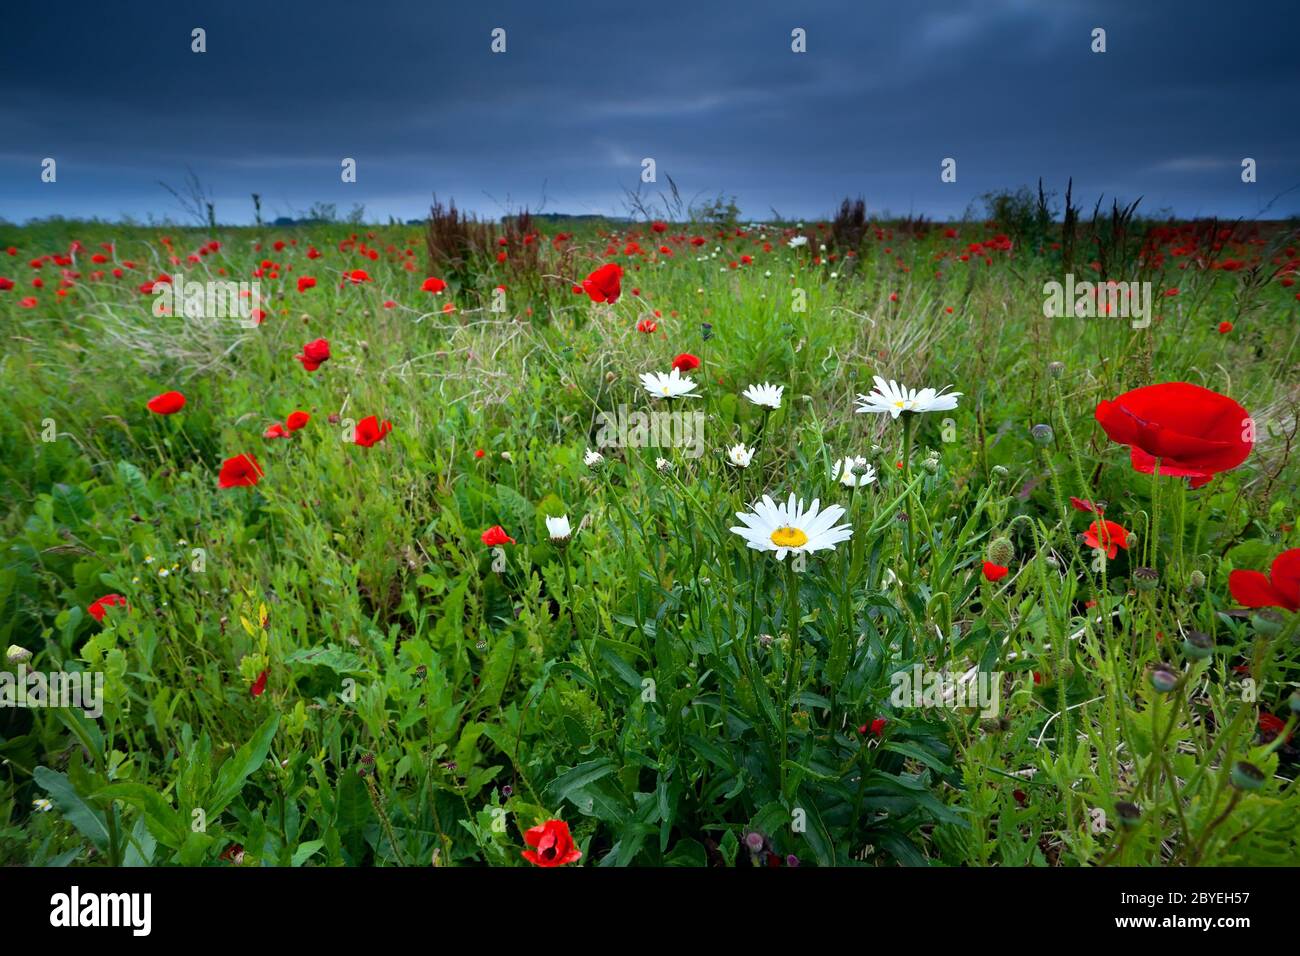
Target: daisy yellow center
(788, 537)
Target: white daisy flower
(593, 459)
(889, 396)
(163, 572)
(765, 395)
(672, 385)
(740, 456)
(559, 528)
(789, 528)
(41, 805)
(853, 472)
(797, 241)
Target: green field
(331, 667)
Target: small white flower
(788, 527)
(740, 456)
(163, 572)
(797, 241)
(663, 465)
(593, 459)
(853, 472)
(672, 385)
(558, 528)
(889, 396)
(148, 559)
(41, 805)
(765, 395)
(505, 456)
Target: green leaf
(89, 821)
(239, 766)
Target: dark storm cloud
(711, 91)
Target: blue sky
(584, 91)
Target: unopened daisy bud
(1196, 579)
(506, 456)
(1246, 776)
(593, 459)
(1002, 551)
(1198, 645)
(17, 655)
(1129, 814)
(1163, 678)
(559, 529)
(1042, 434)
(999, 472)
(1145, 579)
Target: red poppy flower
(876, 727)
(296, 420)
(314, 354)
(552, 844)
(97, 609)
(305, 283)
(168, 403)
(1083, 504)
(259, 685)
(370, 431)
(686, 362)
(275, 431)
(1270, 725)
(994, 572)
(356, 276)
(647, 326)
(27, 303)
(479, 453)
(1225, 328)
(1193, 432)
(241, 471)
(433, 285)
(6, 284)
(605, 283)
(496, 535)
(1279, 588)
(1107, 536)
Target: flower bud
(1042, 434)
(1163, 678)
(999, 472)
(1130, 814)
(1198, 645)
(1246, 776)
(1145, 579)
(1002, 551)
(17, 655)
(1196, 580)
(1056, 369)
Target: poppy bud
(1198, 645)
(1246, 776)
(1056, 369)
(1146, 579)
(931, 465)
(1163, 678)
(999, 472)
(1130, 815)
(1267, 622)
(1042, 434)
(1196, 579)
(1002, 551)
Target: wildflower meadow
(650, 543)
